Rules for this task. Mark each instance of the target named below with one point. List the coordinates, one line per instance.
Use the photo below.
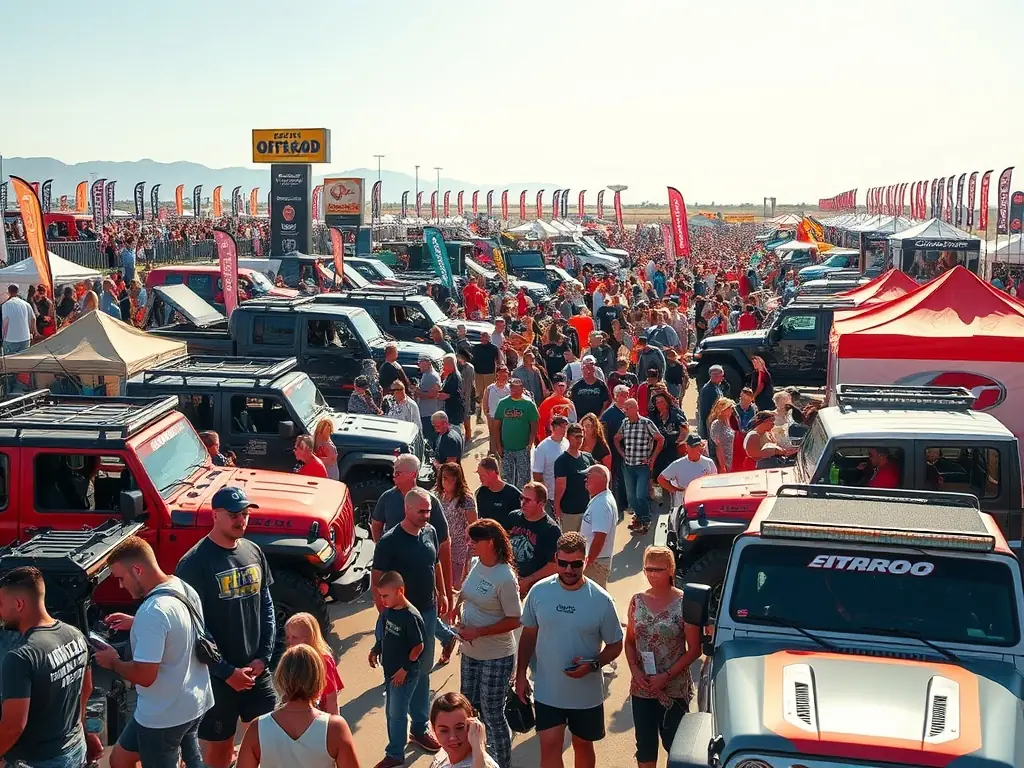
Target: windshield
(384, 270)
(839, 260)
(432, 311)
(811, 448)
(943, 598)
(365, 328)
(354, 277)
(562, 274)
(306, 399)
(594, 244)
(173, 456)
(260, 285)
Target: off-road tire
(365, 493)
(709, 570)
(295, 593)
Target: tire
(295, 593)
(365, 493)
(709, 570)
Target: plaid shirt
(638, 440)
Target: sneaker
(426, 742)
(635, 523)
(389, 762)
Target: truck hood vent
(798, 697)
(942, 719)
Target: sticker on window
(872, 565)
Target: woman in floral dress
(459, 510)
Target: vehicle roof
(194, 268)
(194, 381)
(367, 294)
(298, 305)
(859, 421)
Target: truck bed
(200, 341)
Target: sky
(729, 102)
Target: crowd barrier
(87, 253)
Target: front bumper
(354, 577)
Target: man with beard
(533, 535)
(570, 624)
(231, 576)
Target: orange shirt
(544, 412)
(583, 325)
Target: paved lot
(362, 701)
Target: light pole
(378, 165)
(438, 169)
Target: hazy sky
(731, 101)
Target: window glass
(273, 330)
(174, 278)
(80, 482)
(322, 332)
(963, 470)
(257, 415)
(799, 327)
(198, 409)
(202, 284)
(866, 467)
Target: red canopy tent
(886, 287)
(956, 330)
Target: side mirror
(696, 603)
(286, 429)
(775, 333)
(130, 503)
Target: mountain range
(169, 175)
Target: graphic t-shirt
(489, 594)
(403, 630)
(589, 398)
(497, 505)
(229, 583)
(533, 542)
(46, 666)
(518, 422)
(574, 469)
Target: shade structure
(96, 345)
(24, 273)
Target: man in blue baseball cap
(233, 580)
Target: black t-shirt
(47, 667)
(403, 630)
(533, 542)
(575, 498)
(412, 556)
(448, 447)
(554, 357)
(626, 379)
(485, 359)
(588, 398)
(389, 373)
(605, 315)
(230, 583)
(454, 406)
(674, 374)
(497, 505)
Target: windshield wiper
(182, 481)
(780, 622)
(909, 633)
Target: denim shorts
(73, 757)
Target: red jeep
(70, 462)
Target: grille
(753, 764)
(938, 724)
(803, 702)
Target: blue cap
(232, 499)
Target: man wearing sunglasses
(570, 624)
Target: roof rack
(275, 302)
(339, 297)
(814, 297)
(261, 369)
(917, 398)
(933, 498)
(110, 416)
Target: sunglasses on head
(574, 564)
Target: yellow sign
(739, 218)
(302, 145)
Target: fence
(87, 253)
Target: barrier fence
(87, 253)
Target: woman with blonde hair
(297, 733)
(304, 629)
(324, 449)
(724, 431)
(659, 647)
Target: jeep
(930, 434)
(860, 627)
(69, 462)
(259, 405)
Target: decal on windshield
(162, 439)
(872, 565)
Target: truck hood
(473, 328)
(874, 710)
(289, 503)
(755, 338)
(374, 433)
(735, 496)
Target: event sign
(504, 205)
(47, 196)
(1016, 212)
(1003, 202)
(97, 202)
(555, 198)
(35, 230)
(522, 205)
(949, 199)
(476, 207)
(459, 207)
(108, 205)
(3, 197)
(940, 199)
(600, 204)
(540, 203)
(439, 254)
(343, 202)
(680, 224)
(943, 245)
(140, 200)
(419, 205)
(405, 204)
(301, 146)
(227, 255)
(446, 205)
(580, 204)
(433, 204)
(179, 200)
(618, 208)
(254, 196)
(338, 249)
(972, 185)
(236, 202)
(375, 201)
(81, 197)
(154, 202)
(668, 241)
(291, 194)
(218, 207)
(490, 203)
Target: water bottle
(833, 474)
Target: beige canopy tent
(99, 351)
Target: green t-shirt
(518, 423)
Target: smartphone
(97, 642)
(571, 667)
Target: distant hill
(169, 175)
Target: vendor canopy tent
(886, 287)
(785, 220)
(933, 235)
(956, 316)
(539, 228)
(883, 224)
(24, 273)
(96, 345)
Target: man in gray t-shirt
(570, 625)
(430, 384)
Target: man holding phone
(571, 625)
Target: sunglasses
(574, 564)
(653, 569)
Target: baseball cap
(694, 440)
(590, 359)
(642, 337)
(232, 499)
(425, 359)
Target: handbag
(205, 646)
(519, 715)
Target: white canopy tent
(24, 273)
(538, 228)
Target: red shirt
(886, 476)
(313, 468)
(474, 298)
(746, 322)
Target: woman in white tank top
(296, 733)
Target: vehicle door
(332, 354)
(255, 433)
(858, 463)
(977, 467)
(201, 409)
(792, 348)
(11, 480)
(379, 312)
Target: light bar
(958, 541)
